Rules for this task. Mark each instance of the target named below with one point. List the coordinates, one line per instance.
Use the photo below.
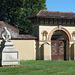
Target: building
(54, 39)
(58, 30)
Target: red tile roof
(54, 14)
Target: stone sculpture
(8, 54)
(6, 35)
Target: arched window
(44, 35)
(73, 35)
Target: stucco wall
(47, 52)
(26, 49)
(73, 52)
(48, 28)
(70, 29)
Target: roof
(54, 14)
(14, 32)
(26, 37)
(2, 24)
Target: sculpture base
(10, 63)
(9, 54)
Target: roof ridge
(57, 11)
(39, 12)
(54, 14)
(64, 12)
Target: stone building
(54, 39)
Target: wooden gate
(57, 50)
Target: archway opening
(59, 45)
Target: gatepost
(46, 51)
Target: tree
(15, 12)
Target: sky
(61, 5)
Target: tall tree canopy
(15, 12)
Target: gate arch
(67, 37)
(62, 29)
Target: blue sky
(61, 5)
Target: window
(68, 21)
(72, 21)
(44, 35)
(64, 21)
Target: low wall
(26, 49)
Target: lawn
(40, 67)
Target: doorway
(58, 45)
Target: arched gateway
(59, 44)
(58, 30)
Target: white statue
(5, 35)
(44, 36)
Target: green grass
(40, 67)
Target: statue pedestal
(8, 54)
